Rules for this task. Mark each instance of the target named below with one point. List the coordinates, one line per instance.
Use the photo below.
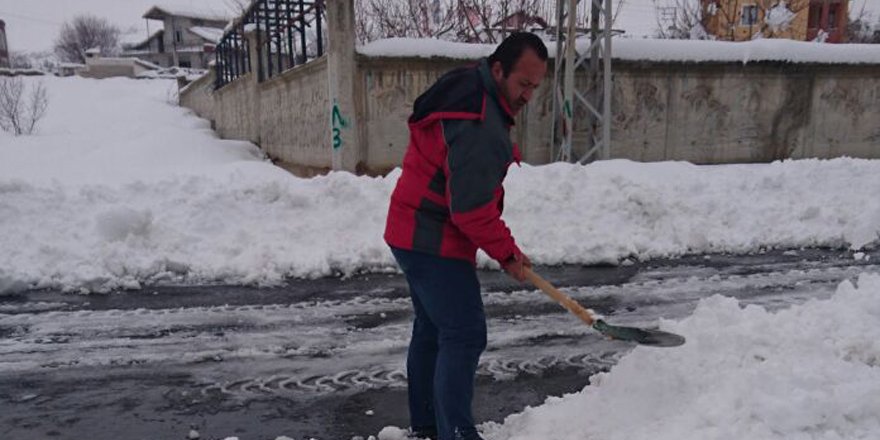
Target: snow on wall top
(652, 50)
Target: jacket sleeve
(476, 164)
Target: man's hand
(515, 266)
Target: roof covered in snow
(142, 42)
(210, 34)
(160, 11)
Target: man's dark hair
(509, 51)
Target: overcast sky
(32, 25)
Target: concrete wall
(99, 67)
(391, 85)
(232, 110)
(705, 113)
(287, 116)
(724, 113)
(294, 123)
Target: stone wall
(724, 113)
(294, 117)
(703, 113)
(706, 113)
(287, 116)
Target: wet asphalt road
(323, 358)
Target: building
(4, 49)
(187, 38)
(68, 69)
(804, 20)
(108, 67)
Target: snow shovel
(652, 337)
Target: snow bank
(808, 372)
(121, 188)
(563, 213)
(633, 49)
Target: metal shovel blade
(652, 337)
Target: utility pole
(593, 140)
(175, 57)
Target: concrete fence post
(345, 145)
(254, 40)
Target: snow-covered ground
(808, 372)
(122, 188)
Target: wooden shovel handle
(563, 299)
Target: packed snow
(807, 372)
(634, 49)
(121, 187)
(779, 17)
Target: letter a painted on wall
(338, 124)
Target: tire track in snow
(374, 378)
(346, 343)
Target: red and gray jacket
(449, 199)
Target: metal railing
(290, 33)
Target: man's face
(524, 78)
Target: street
(324, 358)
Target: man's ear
(497, 71)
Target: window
(177, 37)
(197, 22)
(814, 15)
(749, 15)
(832, 16)
(185, 64)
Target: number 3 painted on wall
(338, 122)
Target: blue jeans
(449, 334)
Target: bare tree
(474, 21)
(860, 29)
(680, 19)
(85, 32)
(407, 18)
(490, 21)
(20, 111)
(20, 60)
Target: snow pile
(173, 73)
(808, 372)
(779, 17)
(425, 48)
(562, 213)
(120, 188)
(652, 50)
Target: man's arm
(475, 166)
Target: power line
(25, 17)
